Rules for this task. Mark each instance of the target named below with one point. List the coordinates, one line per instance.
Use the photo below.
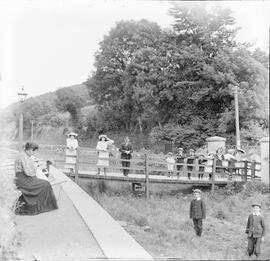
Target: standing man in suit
(197, 211)
(180, 160)
(190, 162)
(126, 154)
(255, 230)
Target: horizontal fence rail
(9, 165)
(150, 168)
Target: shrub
(102, 186)
(221, 213)
(186, 135)
(140, 221)
(234, 188)
(8, 233)
(254, 187)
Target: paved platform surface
(114, 241)
(57, 235)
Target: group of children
(255, 228)
(204, 162)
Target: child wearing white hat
(71, 151)
(170, 163)
(103, 152)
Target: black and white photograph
(134, 130)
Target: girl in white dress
(103, 153)
(71, 151)
(170, 163)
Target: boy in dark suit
(197, 211)
(255, 230)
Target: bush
(186, 136)
(222, 213)
(102, 186)
(234, 188)
(140, 221)
(8, 233)
(252, 187)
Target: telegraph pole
(238, 145)
(32, 130)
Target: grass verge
(162, 225)
(8, 233)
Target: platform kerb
(114, 241)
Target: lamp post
(238, 145)
(22, 96)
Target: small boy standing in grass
(255, 230)
(197, 211)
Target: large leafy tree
(72, 100)
(112, 59)
(148, 77)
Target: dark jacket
(255, 226)
(124, 148)
(197, 209)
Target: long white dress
(71, 150)
(170, 163)
(103, 153)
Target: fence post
(253, 170)
(146, 177)
(77, 167)
(213, 176)
(245, 170)
(196, 167)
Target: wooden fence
(152, 168)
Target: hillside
(43, 111)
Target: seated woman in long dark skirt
(37, 194)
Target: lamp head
(22, 95)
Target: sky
(49, 44)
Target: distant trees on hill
(51, 113)
(158, 80)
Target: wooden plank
(146, 177)
(213, 175)
(77, 167)
(205, 182)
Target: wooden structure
(149, 168)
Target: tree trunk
(140, 123)
(126, 125)
(135, 128)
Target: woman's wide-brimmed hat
(72, 134)
(241, 150)
(197, 191)
(102, 136)
(256, 204)
(170, 153)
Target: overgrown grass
(8, 232)
(162, 225)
